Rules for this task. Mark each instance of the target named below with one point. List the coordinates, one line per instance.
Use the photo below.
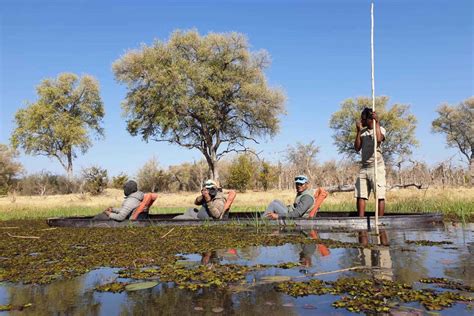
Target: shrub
(94, 180)
(240, 173)
(46, 183)
(151, 178)
(119, 181)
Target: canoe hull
(324, 220)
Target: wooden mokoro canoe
(327, 220)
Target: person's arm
(114, 209)
(378, 131)
(199, 200)
(203, 198)
(127, 207)
(305, 203)
(358, 139)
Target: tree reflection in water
(387, 258)
(67, 297)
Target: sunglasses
(300, 179)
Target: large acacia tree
(61, 122)
(200, 92)
(397, 120)
(457, 123)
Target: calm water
(393, 259)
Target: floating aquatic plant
(448, 284)
(428, 242)
(10, 307)
(372, 296)
(65, 253)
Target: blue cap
(302, 179)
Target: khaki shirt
(215, 207)
(367, 149)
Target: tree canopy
(61, 122)
(457, 123)
(9, 167)
(303, 157)
(399, 123)
(201, 92)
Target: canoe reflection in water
(378, 256)
(215, 256)
(308, 250)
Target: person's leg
(361, 191)
(363, 238)
(191, 213)
(202, 213)
(101, 217)
(276, 206)
(383, 238)
(361, 207)
(381, 207)
(381, 188)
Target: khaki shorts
(365, 183)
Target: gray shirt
(301, 205)
(130, 204)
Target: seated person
(212, 202)
(133, 198)
(303, 203)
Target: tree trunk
(69, 167)
(471, 169)
(212, 164)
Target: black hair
(130, 187)
(366, 113)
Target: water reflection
(62, 297)
(378, 258)
(386, 255)
(309, 250)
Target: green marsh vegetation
(373, 296)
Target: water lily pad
(217, 309)
(198, 308)
(141, 286)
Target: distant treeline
(244, 172)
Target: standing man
(303, 203)
(364, 143)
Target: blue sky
(320, 54)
